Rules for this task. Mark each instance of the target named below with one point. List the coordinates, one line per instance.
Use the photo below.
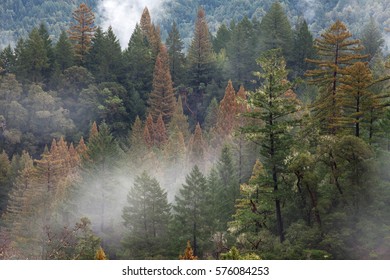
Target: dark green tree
(63, 52)
(146, 218)
(273, 107)
(175, 47)
(276, 32)
(190, 213)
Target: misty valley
(265, 136)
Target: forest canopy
(261, 140)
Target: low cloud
(122, 15)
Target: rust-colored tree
(150, 31)
(162, 99)
(188, 253)
(197, 148)
(335, 50)
(227, 112)
(160, 136)
(81, 31)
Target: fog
(122, 15)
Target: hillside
(20, 16)
(318, 14)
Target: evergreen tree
(63, 52)
(335, 50)
(197, 148)
(226, 118)
(302, 48)
(33, 59)
(160, 133)
(151, 32)
(81, 31)
(139, 64)
(372, 39)
(201, 62)
(7, 60)
(242, 52)
(189, 211)
(161, 99)
(175, 47)
(104, 59)
(356, 98)
(179, 120)
(146, 217)
(222, 38)
(276, 31)
(229, 183)
(273, 107)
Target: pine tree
(146, 217)
(302, 49)
(372, 39)
(98, 175)
(139, 63)
(271, 105)
(227, 112)
(151, 32)
(176, 56)
(33, 59)
(188, 253)
(242, 51)
(81, 31)
(335, 50)
(201, 62)
(190, 210)
(222, 38)
(104, 59)
(160, 133)
(179, 120)
(161, 99)
(355, 96)
(63, 52)
(276, 31)
(197, 147)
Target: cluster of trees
(292, 164)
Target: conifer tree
(160, 133)
(179, 120)
(162, 99)
(335, 50)
(271, 106)
(201, 62)
(188, 253)
(139, 63)
(276, 31)
(146, 217)
(149, 125)
(175, 47)
(151, 32)
(372, 39)
(355, 96)
(242, 52)
(302, 49)
(200, 53)
(227, 112)
(81, 31)
(33, 58)
(197, 147)
(63, 52)
(190, 210)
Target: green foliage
(146, 217)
